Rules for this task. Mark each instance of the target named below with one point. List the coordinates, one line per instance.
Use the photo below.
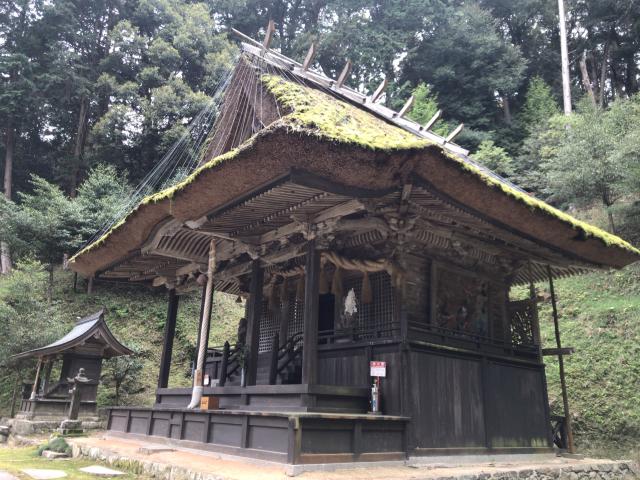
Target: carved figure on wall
(462, 304)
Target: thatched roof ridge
(333, 138)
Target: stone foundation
(568, 470)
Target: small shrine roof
(90, 327)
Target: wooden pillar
(47, 374)
(311, 306)
(254, 312)
(167, 342)
(34, 390)
(563, 384)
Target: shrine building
(354, 235)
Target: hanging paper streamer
(336, 283)
(324, 283)
(367, 294)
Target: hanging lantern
(336, 283)
(367, 294)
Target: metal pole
(563, 384)
(564, 55)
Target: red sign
(378, 369)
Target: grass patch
(600, 318)
(16, 459)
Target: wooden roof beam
(379, 91)
(427, 126)
(311, 54)
(406, 107)
(454, 134)
(346, 70)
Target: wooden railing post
(273, 368)
(224, 364)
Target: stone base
(188, 463)
(22, 426)
(70, 427)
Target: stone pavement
(6, 476)
(183, 463)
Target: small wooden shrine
(84, 347)
(354, 235)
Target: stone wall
(579, 470)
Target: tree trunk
(78, 150)
(586, 82)
(612, 225)
(603, 72)
(506, 108)
(5, 253)
(50, 285)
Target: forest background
(93, 93)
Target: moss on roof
(340, 121)
(314, 110)
(317, 113)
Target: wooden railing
(356, 335)
(446, 336)
(224, 362)
(283, 356)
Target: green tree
(461, 55)
(122, 374)
(425, 105)
(494, 158)
(100, 198)
(539, 106)
(47, 225)
(594, 156)
(26, 320)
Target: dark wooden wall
(467, 402)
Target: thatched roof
(330, 137)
